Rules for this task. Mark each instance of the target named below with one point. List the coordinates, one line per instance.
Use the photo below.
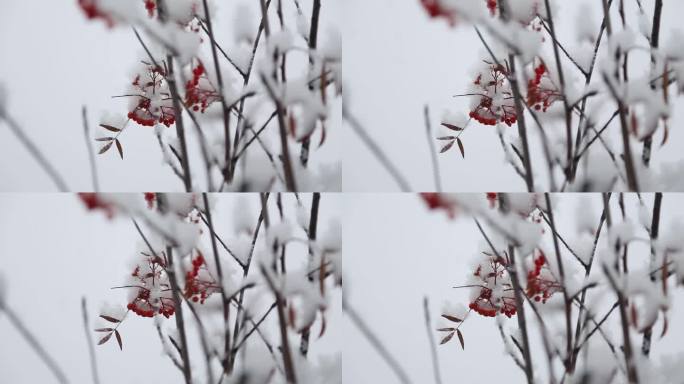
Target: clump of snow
(674, 47)
(243, 24)
(585, 24)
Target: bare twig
(35, 344)
(91, 153)
(433, 349)
(89, 339)
(433, 152)
(34, 151)
(375, 150)
(375, 342)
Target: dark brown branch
(655, 39)
(282, 322)
(219, 271)
(655, 226)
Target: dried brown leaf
(448, 329)
(446, 338)
(447, 147)
(104, 329)
(110, 128)
(104, 339)
(118, 146)
(452, 127)
(460, 146)
(460, 338)
(446, 138)
(118, 339)
(105, 148)
(104, 139)
(110, 319)
(452, 318)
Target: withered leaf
(448, 329)
(104, 339)
(452, 318)
(118, 146)
(446, 338)
(104, 330)
(452, 127)
(665, 327)
(460, 338)
(460, 146)
(446, 138)
(110, 128)
(110, 319)
(104, 139)
(118, 339)
(105, 148)
(447, 147)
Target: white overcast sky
(396, 252)
(53, 252)
(397, 60)
(55, 61)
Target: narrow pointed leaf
(460, 146)
(104, 339)
(447, 147)
(104, 139)
(452, 127)
(460, 338)
(446, 338)
(104, 330)
(118, 146)
(448, 329)
(110, 319)
(110, 128)
(118, 339)
(105, 148)
(446, 138)
(452, 318)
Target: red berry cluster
(150, 5)
(437, 201)
(199, 92)
(92, 202)
(435, 10)
(144, 112)
(492, 197)
(491, 4)
(483, 303)
(541, 96)
(540, 283)
(150, 197)
(153, 276)
(488, 111)
(198, 286)
(92, 12)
